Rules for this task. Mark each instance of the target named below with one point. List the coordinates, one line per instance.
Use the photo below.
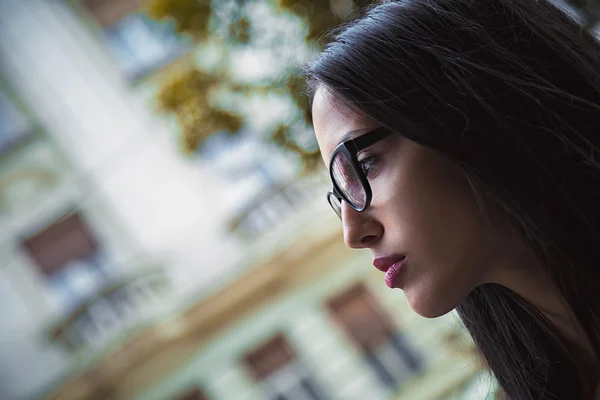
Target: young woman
(463, 141)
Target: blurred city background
(164, 230)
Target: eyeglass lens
(335, 204)
(348, 181)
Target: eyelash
(368, 163)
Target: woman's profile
(463, 141)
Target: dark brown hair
(510, 91)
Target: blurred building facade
(129, 272)
(309, 322)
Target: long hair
(510, 91)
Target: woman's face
(422, 208)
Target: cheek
(434, 217)
(427, 197)
(447, 225)
(447, 255)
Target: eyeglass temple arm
(374, 136)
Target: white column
(27, 365)
(76, 90)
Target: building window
(244, 157)
(69, 256)
(140, 44)
(282, 375)
(250, 167)
(14, 125)
(368, 326)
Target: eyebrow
(351, 134)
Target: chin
(427, 304)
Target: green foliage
(192, 17)
(239, 30)
(296, 87)
(318, 15)
(310, 159)
(187, 94)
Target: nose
(360, 229)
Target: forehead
(332, 121)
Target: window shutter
(361, 317)
(269, 357)
(66, 240)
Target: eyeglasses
(350, 182)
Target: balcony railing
(112, 313)
(277, 206)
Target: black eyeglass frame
(351, 148)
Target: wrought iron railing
(111, 313)
(278, 205)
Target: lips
(392, 266)
(384, 263)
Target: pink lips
(392, 266)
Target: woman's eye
(367, 165)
